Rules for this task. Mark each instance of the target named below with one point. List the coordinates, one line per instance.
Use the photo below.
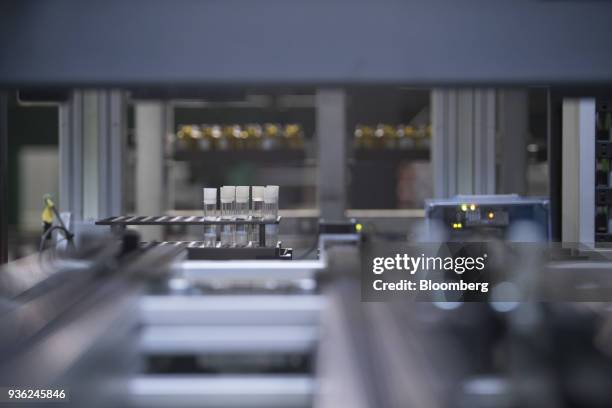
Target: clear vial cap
(228, 194)
(258, 193)
(271, 194)
(242, 194)
(210, 195)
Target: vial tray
(197, 251)
(125, 220)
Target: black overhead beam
(288, 42)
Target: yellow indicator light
(464, 207)
(358, 227)
(472, 207)
(457, 225)
(491, 215)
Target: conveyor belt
(125, 220)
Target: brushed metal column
(332, 151)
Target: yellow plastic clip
(47, 213)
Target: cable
(50, 210)
(67, 234)
(47, 219)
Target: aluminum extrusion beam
(578, 177)
(151, 119)
(92, 144)
(463, 145)
(112, 144)
(71, 155)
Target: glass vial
(257, 206)
(210, 214)
(242, 213)
(271, 213)
(228, 213)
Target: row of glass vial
(234, 205)
(392, 137)
(252, 136)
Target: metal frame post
(91, 160)
(3, 178)
(111, 151)
(71, 156)
(151, 128)
(513, 125)
(91, 148)
(332, 150)
(578, 173)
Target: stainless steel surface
(230, 324)
(339, 373)
(179, 391)
(231, 310)
(82, 351)
(259, 271)
(206, 349)
(224, 339)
